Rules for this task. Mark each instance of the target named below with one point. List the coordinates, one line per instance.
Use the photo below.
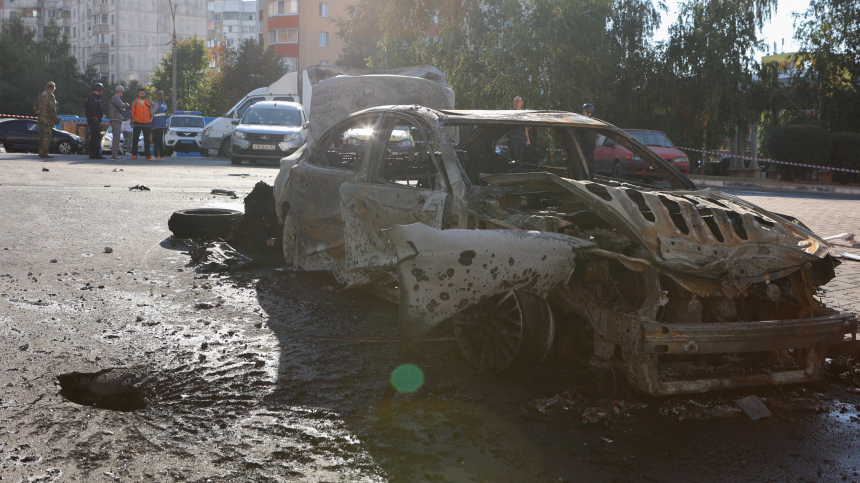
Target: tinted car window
(652, 138)
(347, 144)
(273, 116)
(186, 121)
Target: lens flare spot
(407, 378)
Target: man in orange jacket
(141, 114)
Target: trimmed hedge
(846, 154)
(799, 143)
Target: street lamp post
(173, 17)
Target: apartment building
(231, 21)
(302, 31)
(123, 39)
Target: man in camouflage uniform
(46, 111)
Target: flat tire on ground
(204, 223)
(505, 330)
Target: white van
(217, 134)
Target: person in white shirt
(126, 130)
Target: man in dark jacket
(94, 121)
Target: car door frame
(371, 206)
(315, 206)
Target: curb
(752, 183)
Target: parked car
(23, 135)
(269, 130)
(107, 141)
(616, 161)
(184, 129)
(687, 290)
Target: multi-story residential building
(302, 31)
(231, 21)
(123, 39)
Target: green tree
(238, 70)
(28, 65)
(192, 79)
(829, 85)
(710, 58)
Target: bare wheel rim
(491, 334)
(64, 147)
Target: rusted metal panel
(739, 337)
(441, 272)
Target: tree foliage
(192, 79)
(239, 70)
(27, 65)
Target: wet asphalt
(254, 376)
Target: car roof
(571, 119)
(282, 104)
(644, 130)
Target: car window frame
(376, 152)
(319, 148)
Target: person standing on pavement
(141, 113)
(519, 136)
(588, 140)
(126, 131)
(159, 124)
(117, 107)
(46, 112)
(94, 113)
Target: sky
(780, 26)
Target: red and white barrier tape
(844, 170)
(15, 115)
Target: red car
(617, 162)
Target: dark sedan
(23, 135)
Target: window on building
(52, 13)
(230, 42)
(284, 36)
(211, 26)
(248, 16)
(247, 30)
(111, 19)
(30, 13)
(103, 2)
(75, 13)
(291, 63)
(323, 62)
(231, 15)
(112, 59)
(217, 17)
(102, 38)
(112, 40)
(283, 7)
(75, 34)
(323, 39)
(101, 19)
(217, 32)
(210, 5)
(323, 10)
(113, 79)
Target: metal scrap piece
(754, 408)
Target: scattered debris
(754, 408)
(24, 347)
(699, 411)
(108, 250)
(238, 174)
(231, 194)
(848, 256)
(216, 256)
(115, 170)
(53, 260)
(607, 411)
(45, 169)
(846, 237)
(204, 223)
(843, 369)
(206, 305)
(560, 402)
(138, 187)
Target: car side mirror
(306, 125)
(235, 122)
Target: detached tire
(204, 223)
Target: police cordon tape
(826, 168)
(15, 115)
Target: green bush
(800, 143)
(846, 154)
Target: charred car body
(689, 290)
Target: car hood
(696, 235)
(267, 129)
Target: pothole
(114, 389)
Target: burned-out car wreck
(688, 290)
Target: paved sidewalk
(826, 216)
(722, 182)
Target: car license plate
(264, 147)
(186, 142)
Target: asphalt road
(230, 378)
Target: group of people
(519, 137)
(142, 116)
